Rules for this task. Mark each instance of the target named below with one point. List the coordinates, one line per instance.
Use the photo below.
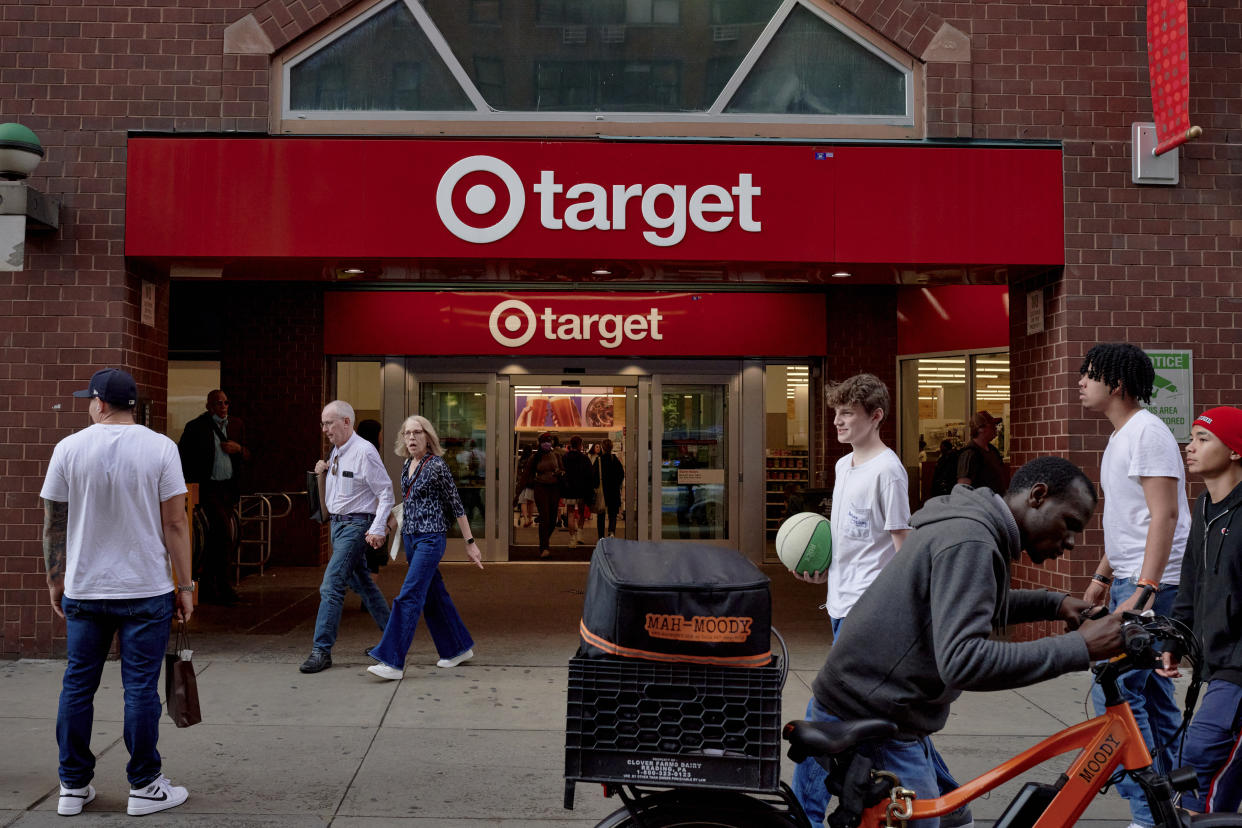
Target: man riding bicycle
(922, 632)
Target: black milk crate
(684, 725)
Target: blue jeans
(423, 593)
(912, 762)
(141, 627)
(1151, 699)
(347, 568)
(1214, 750)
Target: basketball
(804, 543)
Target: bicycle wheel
(714, 809)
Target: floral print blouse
(430, 498)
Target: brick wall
(1158, 266)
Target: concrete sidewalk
(480, 744)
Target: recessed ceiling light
(353, 271)
(842, 274)
(601, 272)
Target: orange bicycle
(1105, 745)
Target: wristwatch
(185, 587)
(469, 541)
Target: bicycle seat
(825, 738)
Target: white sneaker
(386, 672)
(72, 799)
(455, 660)
(160, 795)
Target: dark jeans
(547, 498)
(347, 569)
(423, 593)
(141, 627)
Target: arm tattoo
(55, 523)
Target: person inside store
(428, 494)
(544, 473)
(930, 626)
(578, 489)
(213, 451)
(980, 463)
(373, 432)
(610, 474)
(1146, 524)
(358, 494)
(525, 498)
(1208, 599)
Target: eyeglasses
(413, 432)
(326, 423)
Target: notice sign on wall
(1172, 397)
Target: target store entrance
(552, 452)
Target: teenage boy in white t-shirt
(870, 519)
(1146, 523)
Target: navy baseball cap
(113, 386)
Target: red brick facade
(1158, 266)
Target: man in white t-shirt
(1146, 524)
(114, 514)
(870, 519)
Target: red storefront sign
(575, 324)
(311, 198)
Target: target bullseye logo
(480, 199)
(512, 323)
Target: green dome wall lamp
(22, 207)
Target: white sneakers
(385, 672)
(160, 795)
(72, 799)
(455, 660)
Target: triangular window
(384, 64)
(810, 67)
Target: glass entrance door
(585, 420)
(695, 460)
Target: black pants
(612, 507)
(218, 499)
(547, 498)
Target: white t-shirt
(114, 478)
(868, 501)
(1143, 447)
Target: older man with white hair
(358, 494)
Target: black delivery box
(676, 602)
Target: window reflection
(694, 461)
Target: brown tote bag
(180, 685)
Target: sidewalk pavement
(481, 744)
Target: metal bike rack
(255, 513)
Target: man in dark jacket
(1209, 600)
(213, 449)
(922, 632)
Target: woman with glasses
(428, 493)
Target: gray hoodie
(921, 633)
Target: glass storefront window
(594, 414)
(458, 411)
(939, 396)
(787, 467)
(693, 462)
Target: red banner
(1168, 61)
(573, 323)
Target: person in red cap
(1209, 600)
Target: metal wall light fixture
(22, 207)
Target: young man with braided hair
(1146, 523)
